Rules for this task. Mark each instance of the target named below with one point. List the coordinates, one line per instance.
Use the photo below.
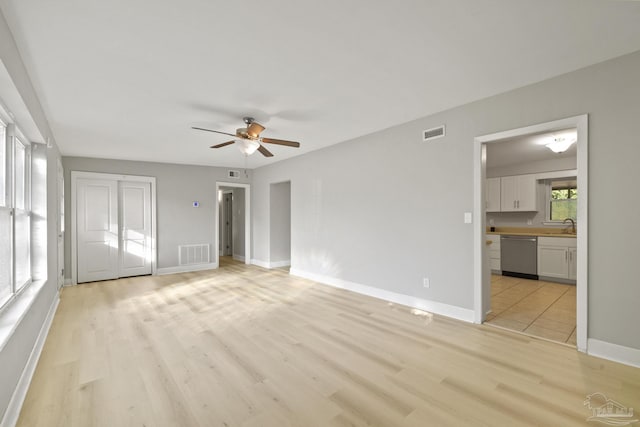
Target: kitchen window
(562, 199)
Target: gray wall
(386, 209)
(563, 163)
(177, 186)
(16, 351)
(280, 222)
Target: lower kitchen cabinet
(573, 257)
(494, 252)
(557, 257)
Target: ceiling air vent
(433, 133)
(234, 174)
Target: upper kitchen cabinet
(493, 195)
(518, 193)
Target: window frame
(7, 207)
(13, 134)
(25, 210)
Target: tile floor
(535, 307)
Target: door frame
(75, 175)
(581, 123)
(247, 220)
(60, 231)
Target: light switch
(467, 217)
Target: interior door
(97, 229)
(135, 228)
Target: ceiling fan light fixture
(247, 146)
(560, 145)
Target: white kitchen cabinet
(557, 257)
(518, 193)
(573, 258)
(493, 194)
(494, 251)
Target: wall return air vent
(433, 133)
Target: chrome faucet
(571, 230)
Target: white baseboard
(260, 263)
(17, 399)
(278, 264)
(455, 312)
(186, 268)
(268, 264)
(617, 353)
(67, 282)
(238, 257)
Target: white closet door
(97, 229)
(135, 228)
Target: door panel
(135, 244)
(97, 229)
(553, 262)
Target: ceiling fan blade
(254, 129)
(214, 131)
(280, 142)
(264, 151)
(224, 144)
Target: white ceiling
(528, 149)
(127, 79)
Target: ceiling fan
(249, 140)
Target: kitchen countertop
(531, 231)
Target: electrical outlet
(491, 221)
(529, 222)
(426, 283)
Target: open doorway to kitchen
(233, 225)
(530, 264)
(280, 225)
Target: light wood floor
(246, 346)
(535, 307)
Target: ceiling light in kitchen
(560, 144)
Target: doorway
(113, 226)
(280, 225)
(233, 223)
(482, 261)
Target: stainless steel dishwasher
(519, 256)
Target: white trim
(17, 399)
(455, 312)
(260, 263)
(75, 175)
(238, 257)
(247, 219)
(68, 282)
(617, 353)
(278, 264)
(271, 264)
(186, 268)
(581, 123)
